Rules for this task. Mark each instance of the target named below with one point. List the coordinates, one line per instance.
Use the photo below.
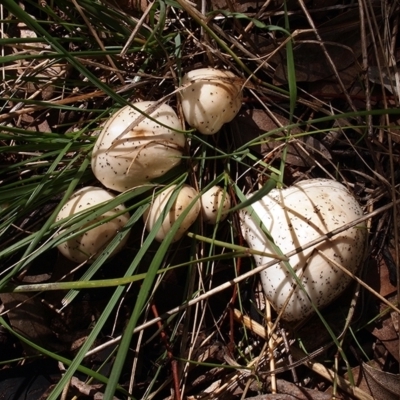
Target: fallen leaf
(341, 41)
(388, 78)
(330, 88)
(281, 396)
(302, 151)
(385, 287)
(30, 318)
(246, 5)
(311, 64)
(383, 385)
(84, 388)
(388, 335)
(28, 381)
(300, 393)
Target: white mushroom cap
(185, 196)
(144, 153)
(294, 217)
(215, 200)
(210, 99)
(89, 245)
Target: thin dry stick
(271, 346)
(136, 29)
(174, 366)
(298, 354)
(135, 360)
(389, 138)
(99, 42)
(3, 71)
(251, 23)
(202, 19)
(392, 52)
(328, 57)
(290, 358)
(247, 275)
(43, 66)
(392, 168)
(328, 374)
(196, 316)
(242, 373)
(365, 64)
(293, 364)
(397, 78)
(43, 105)
(348, 321)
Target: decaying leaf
(394, 130)
(30, 380)
(300, 393)
(30, 318)
(38, 75)
(388, 336)
(246, 5)
(27, 33)
(388, 78)
(84, 388)
(383, 385)
(283, 396)
(312, 65)
(302, 151)
(341, 41)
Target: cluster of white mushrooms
(138, 145)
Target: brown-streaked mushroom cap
(294, 217)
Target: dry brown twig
(320, 369)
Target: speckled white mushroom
(213, 202)
(89, 245)
(211, 98)
(294, 217)
(185, 196)
(145, 152)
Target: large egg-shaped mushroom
(158, 209)
(121, 161)
(210, 98)
(294, 217)
(87, 246)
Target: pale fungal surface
(210, 98)
(146, 151)
(89, 245)
(158, 208)
(294, 217)
(215, 201)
